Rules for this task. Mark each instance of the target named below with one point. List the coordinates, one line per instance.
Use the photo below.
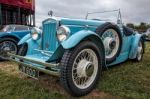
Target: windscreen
(109, 16)
(7, 28)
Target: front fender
(134, 46)
(32, 44)
(24, 39)
(77, 38)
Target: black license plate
(29, 71)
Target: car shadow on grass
(18, 85)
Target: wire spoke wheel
(111, 43)
(112, 40)
(85, 68)
(81, 68)
(7, 46)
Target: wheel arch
(134, 46)
(96, 40)
(99, 44)
(76, 38)
(108, 25)
(84, 35)
(11, 36)
(105, 26)
(24, 39)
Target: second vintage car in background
(10, 35)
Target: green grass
(17, 88)
(127, 80)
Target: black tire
(137, 59)
(100, 31)
(66, 65)
(23, 49)
(10, 40)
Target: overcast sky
(135, 11)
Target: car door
(127, 39)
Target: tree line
(142, 27)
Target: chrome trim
(47, 53)
(67, 32)
(50, 72)
(49, 21)
(17, 57)
(84, 26)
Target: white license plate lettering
(29, 71)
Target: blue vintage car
(76, 50)
(10, 35)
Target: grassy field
(127, 80)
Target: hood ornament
(50, 13)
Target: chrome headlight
(36, 33)
(63, 33)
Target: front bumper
(48, 68)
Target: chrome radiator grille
(49, 40)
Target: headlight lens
(63, 33)
(35, 33)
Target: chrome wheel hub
(85, 68)
(111, 42)
(6, 49)
(7, 46)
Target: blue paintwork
(74, 39)
(135, 41)
(32, 53)
(20, 33)
(81, 22)
(24, 39)
(5, 34)
(76, 25)
(32, 45)
(15, 34)
(80, 29)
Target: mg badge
(47, 45)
